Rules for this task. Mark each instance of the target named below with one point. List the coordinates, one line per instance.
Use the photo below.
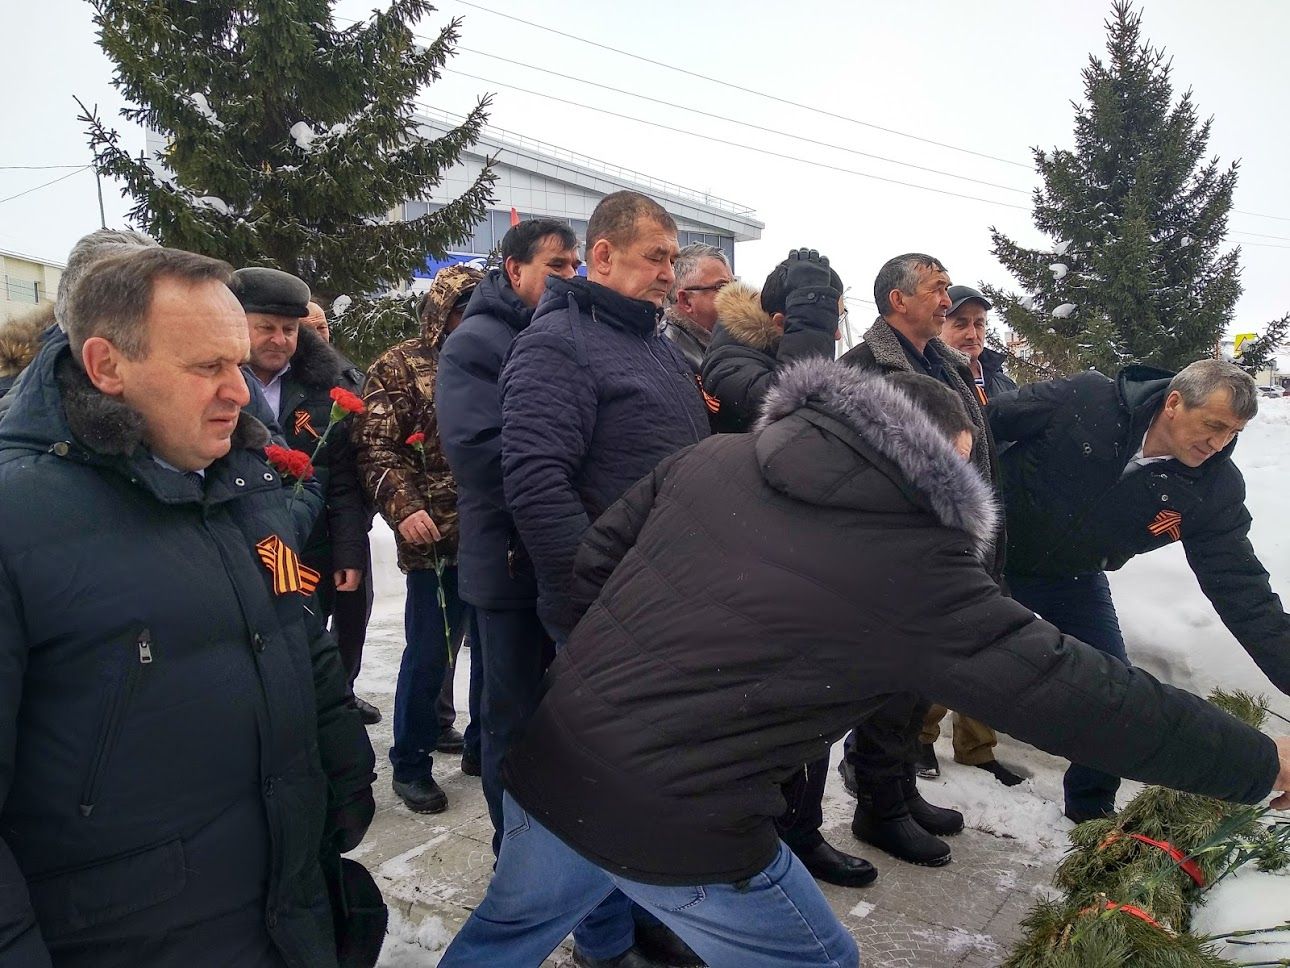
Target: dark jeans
(446, 708)
(799, 826)
(1080, 606)
(421, 672)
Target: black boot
(661, 944)
(882, 818)
(928, 766)
(941, 821)
(827, 863)
(631, 958)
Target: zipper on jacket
(649, 348)
(110, 729)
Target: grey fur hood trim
(893, 425)
(107, 426)
(739, 312)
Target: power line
(734, 144)
(746, 90)
(45, 185)
(36, 167)
(746, 124)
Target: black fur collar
(315, 365)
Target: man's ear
(510, 267)
(1173, 403)
(599, 256)
(102, 362)
(777, 320)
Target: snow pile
(409, 945)
(1248, 901)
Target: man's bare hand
(347, 579)
(419, 528)
(1283, 778)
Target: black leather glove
(811, 300)
(807, 269)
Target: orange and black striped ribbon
(289, 575)
(302, 422)
(1167, 522)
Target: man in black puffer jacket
(1102, 470)
(716, 657)
(177, 761)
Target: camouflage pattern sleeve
(389, 468)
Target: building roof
(40, 260)
(530, 154)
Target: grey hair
(903, 273)
(1198, 380)
(687, 264)
(89, 249)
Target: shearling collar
(886, 420)
(881, 339)
(739, 312)
(108, 427)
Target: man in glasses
(701, 272)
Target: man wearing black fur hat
(297, 371)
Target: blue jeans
(421, 671)
(776, 919)
(1079, 606)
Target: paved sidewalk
(437, 866)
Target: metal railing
(512, 139)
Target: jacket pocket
(134, 654)
(107, 890)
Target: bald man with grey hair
(701, 271)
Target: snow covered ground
(1171, 630)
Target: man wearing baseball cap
(964, 330)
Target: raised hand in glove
(811, 290)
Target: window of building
(21, 290)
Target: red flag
(515, 218)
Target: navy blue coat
(592, 399)
(176, 749)
(493, 570)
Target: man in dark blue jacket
(1102, 470)
(493, 572)
(593, 397)
(178, 767)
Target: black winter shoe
(450, 741)
(848, 773)
(827, 863)
(661, 944)
(470, 764)
(1083, 816)
(422, 796)
(368, 713)
(939, 821)
(882, 818)
(631, 958)
(1000, 772)
(929, 768)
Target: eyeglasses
(842, 319)
(715, 287)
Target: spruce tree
(290, 139)
(1137, 272)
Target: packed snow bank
(1249, 900)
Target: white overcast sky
(994, 77)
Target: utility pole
(98, 182)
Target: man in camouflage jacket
(412, 487)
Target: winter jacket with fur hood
(19, 341)
(758, 593)
(592, 398)
(400, 478)
(176, 748)
(748, 349)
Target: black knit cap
(271, 291)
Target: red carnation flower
(293, 463)
(416, 440)
(346, 401)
